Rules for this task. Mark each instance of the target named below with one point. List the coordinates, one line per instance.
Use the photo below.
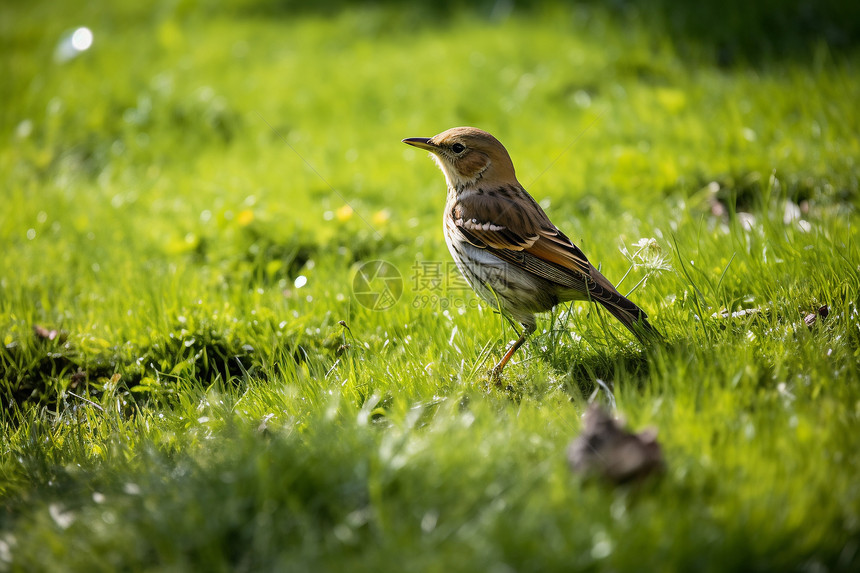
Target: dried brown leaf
(606, 450)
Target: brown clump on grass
(606, 450)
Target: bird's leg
(496, 372)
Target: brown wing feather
(485, 224)
(554, 246)
(529, 240)
(525, 238)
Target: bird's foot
(495, 374)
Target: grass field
(189, 381)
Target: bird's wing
(554, 246)
(528, 240)
(525, 238)
(493, 222)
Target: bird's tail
(630, 315)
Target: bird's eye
(458, 148)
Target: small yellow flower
(344, 213)
(245, 218)
(381, 217)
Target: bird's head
(467, 155)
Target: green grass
(201, 409)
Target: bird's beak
(420, 143)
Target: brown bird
(505, 245)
